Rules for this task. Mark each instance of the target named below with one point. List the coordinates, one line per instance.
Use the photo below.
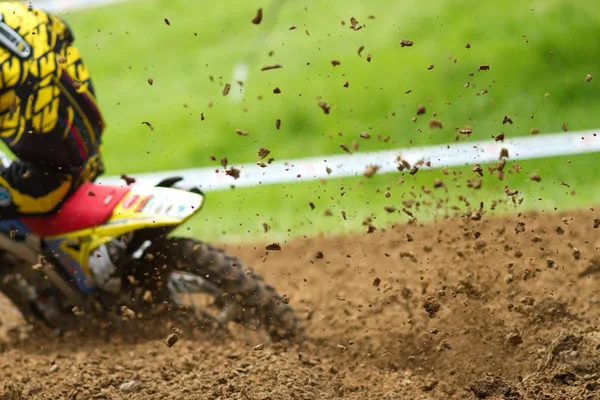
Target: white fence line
(57, 6)
(351, 165)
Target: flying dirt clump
(172, 338)
(431, 306)
(258, 17)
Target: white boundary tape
(57, 6)
(352, 165)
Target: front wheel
(239, 293)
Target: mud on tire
(259, 301)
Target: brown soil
(496, 308)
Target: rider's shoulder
(18, 15)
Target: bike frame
(94, 214)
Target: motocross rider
(49, 116)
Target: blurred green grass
(539, 53)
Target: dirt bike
(48, 260)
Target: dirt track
(517, 318)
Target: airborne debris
(241, 132)
(263, 152)
(434, 123)
(335, 63)
(438, 183)
(224, 162)
(345, 148)
(258, 17)
(474, 183)
(376, 282)
(588, 78)
(406, 43)
(520, 227)
(402, 164)
(127, 313)
(233, 172)
(510, 192)
(535, 178)
(421, 110)
(148, 124)
(483, 67)
(167, 21)
(507, 119)
(431, 306)
(371, 170)
(269, 67)
(564, 127)
(128, 179)
(354, 24)
(347, 84)
(78, 311)
(326, 107)
(173, 337)
(430, 67)
(150, 81)
(273, 247)
(148, 297)
(226, 89)
(276, 90)
(596, 223)
(405, 211)
(277, 124)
